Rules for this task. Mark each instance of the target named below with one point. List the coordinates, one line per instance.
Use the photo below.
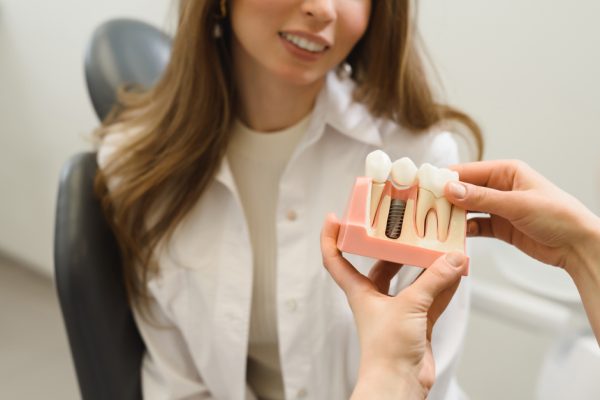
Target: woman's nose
(322, 10)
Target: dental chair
(105, 344)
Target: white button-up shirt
(202, 297)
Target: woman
(216, 182)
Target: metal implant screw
(395, 219)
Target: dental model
(405, 219)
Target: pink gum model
(356, 233)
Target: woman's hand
(526, 210)
(529, 212)
(394, 332)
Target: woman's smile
(303, 45)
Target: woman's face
(297, 40)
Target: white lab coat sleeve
(168, 371)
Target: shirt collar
(344, 114)
(335, 107)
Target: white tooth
(404, 172)
(434, 179)
(378, 166)
(303, 43)
(431, 195)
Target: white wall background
(527, 71)
(45, 114)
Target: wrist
(586, 263)
(387, 382)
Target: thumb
(481, 199)
(343, 273)
(439, 276)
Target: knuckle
(518, 165)
(478, 194)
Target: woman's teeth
(303, 43)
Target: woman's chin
(301, 76)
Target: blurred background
(526, 71)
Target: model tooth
(431, 196)
(404, 172)
(434, 179)
(425, 202)
(378, 166)
(443, 209)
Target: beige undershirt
(257, 161)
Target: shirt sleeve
(443, 150)
(447, 148)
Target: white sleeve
(168, 371)
(442, 150)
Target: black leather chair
(105, 344)
(123, 51)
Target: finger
(482, 199)
(439, 306)
(484, 173)
(492, 227)
(344, 274)
(442, 274)
(382, 273)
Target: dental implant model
(406, 219)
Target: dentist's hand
(394, 332)
(529, 212)
(526, 210)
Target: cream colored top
(257, 161)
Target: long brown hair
(182, 124)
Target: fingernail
(458, 190)
(472, 228)
(455, 259)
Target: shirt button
(292, 215)
(302, 393)
(291, 305)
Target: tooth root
(425, 202)
(442, 209)
(431, 227)
(376, 191)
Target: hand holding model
(394, 332)
(529, 212)
(526, 210)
